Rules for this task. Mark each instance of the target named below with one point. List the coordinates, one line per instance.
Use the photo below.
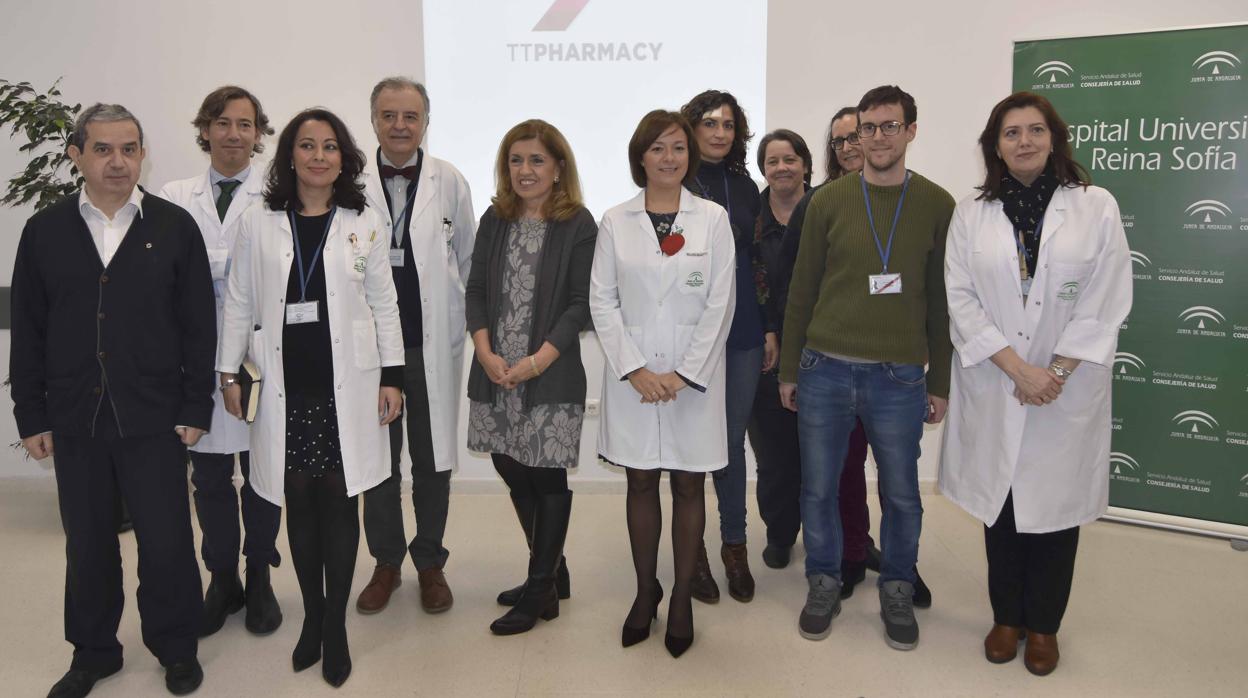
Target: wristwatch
(1059, 370)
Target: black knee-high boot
(527, 485)
(303, 529)
(340, 535)
(539, 598)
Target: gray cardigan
(560, 304)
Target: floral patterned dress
(543, 436)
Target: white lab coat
(363, 322)
(443, 255)
(1055, 457)
(228, 434)
(664, 313)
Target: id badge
(396, 256)
(218, 262)
(884, 284)
(302, 313)
(1026, 284)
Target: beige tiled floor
(1152, 614)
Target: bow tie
(409, 172)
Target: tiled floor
(1152, 614)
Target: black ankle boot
(264, 615)
(539, 598)
(224, 597)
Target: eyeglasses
(852, 139)
(888, 128)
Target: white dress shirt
(105, 232)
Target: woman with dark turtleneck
(722, 132)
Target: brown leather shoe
(703, 586)
(435, 594)
(1001, 644)
(737, 568)
(376, 594)
(1041, 655)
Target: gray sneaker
(823, 603)
(901, 630)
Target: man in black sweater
(112, 352)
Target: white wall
(160, 58)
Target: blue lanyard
(727, 194)
(304, 275)
(397, 224)
(885, 252)
(1018, 240)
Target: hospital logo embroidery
(695, 280)
(1069, 291)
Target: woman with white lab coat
(311, 300)
(661, 298)
(1038, 276)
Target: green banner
(1160, 119)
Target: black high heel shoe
(308, 650)
(631, 636)
(676, 646)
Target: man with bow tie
(428, 209)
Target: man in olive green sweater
(866, 311)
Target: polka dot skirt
(312, 444)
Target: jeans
(742, 370)
(773, 434)
(891, 401)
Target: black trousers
(217, 507)
(773, 435)
(431, 490)
(1029, 574)
(148, 473)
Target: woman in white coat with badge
(311, 300)
(661, 298)
(1038, 276)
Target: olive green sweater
(830, 308)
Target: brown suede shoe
(435, 594)
(376, 594)
(737, 568)
(1001, 645)
(1041, 655)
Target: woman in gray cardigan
(527, 302)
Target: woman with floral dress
(527, 302)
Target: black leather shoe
(852, 572)
(264, 615)
(77, 683)
(183, 678)
(224, 597)
(873, 557)
(703, 587)
(922, 595)
(777, 556)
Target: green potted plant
(46, 123)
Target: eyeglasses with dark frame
(838, 143)
(888, 128)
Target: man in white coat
(229, 127)
(427, 206)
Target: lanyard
(305, 275)
(885, 252)
(396, 225)
(1018, 240)
(706, 191)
